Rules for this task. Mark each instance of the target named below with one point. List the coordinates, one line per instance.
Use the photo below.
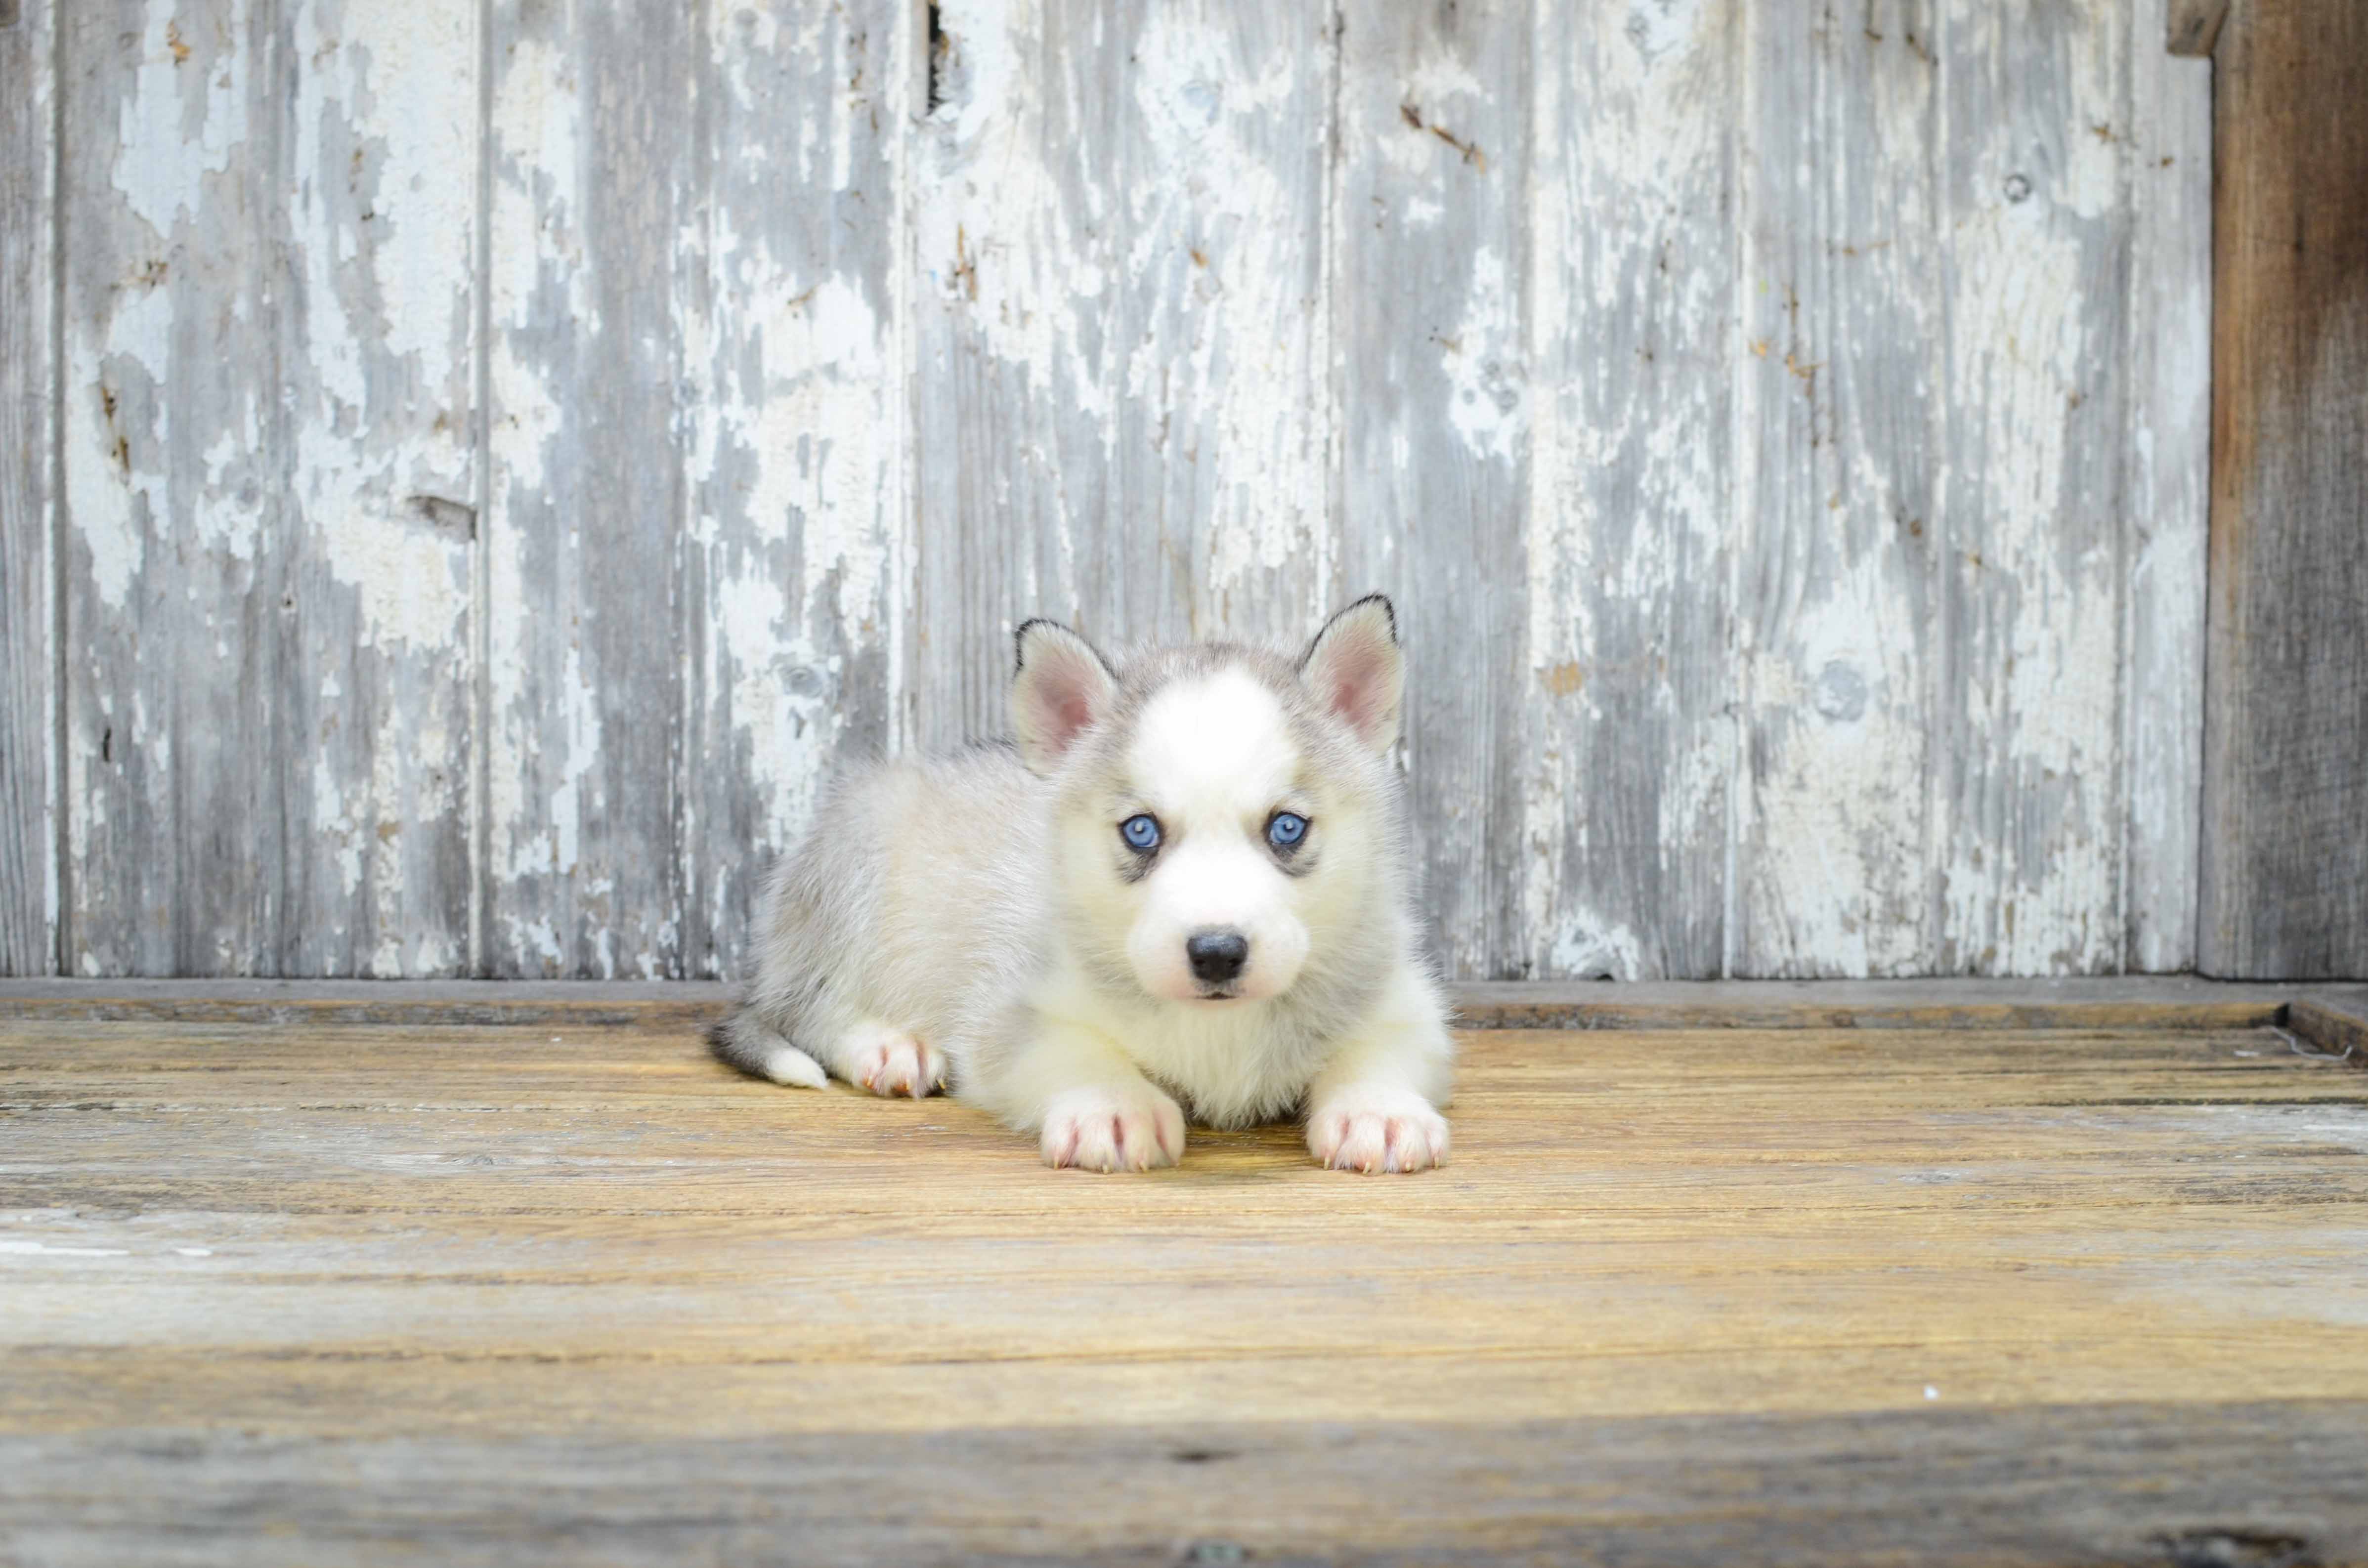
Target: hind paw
(888, 1062)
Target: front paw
(1368, 1128)
(1130, 1128)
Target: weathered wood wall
(28, 857)
(2285, 880)
(507, 452)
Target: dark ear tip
(1046, 625)
(1020, 640)
(1389, 617)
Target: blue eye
(1286, 830)
(1141, 833)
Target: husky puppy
(1183, 891)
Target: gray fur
(831, 948)
(932, 895)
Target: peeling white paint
(385, 153)
(2168, 339)
(1122, 243)
(795, 471)
(1659, 28)
(1485, 364)
(537, 158)
(1629, 495)
(1007, 250)
(1223, 370)
(1591, 946)
(185, 116)
(2035, 888)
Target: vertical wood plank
(2285, 792)
(794, 335)
(2169, 381)
(268, 302)
(592, 135)
(176, 638)
(1223, 460)
(1123, 411)
(2026, 783)
(1434, 333)
(376, 365)
(1173, 321)
(1837, 520)
(1628, 750)
(28, 665)
(1016, 256)
(1933, 607)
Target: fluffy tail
(746, 1042)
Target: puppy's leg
(1374, 1107)
(880, 1057)
(1091, 1108)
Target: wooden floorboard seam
(2154, 1001)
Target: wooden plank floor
(461, 1293)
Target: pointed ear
(1062, 689)
(1354, 669)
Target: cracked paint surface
(1781, 438)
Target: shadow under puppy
(1186, 886)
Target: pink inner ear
(1072, 710)
(1349, 700)
(1355, 688)
(1061, 688)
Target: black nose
(1217, 956)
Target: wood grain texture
(1837, 527)
(1432, 303)
(793, 322)
(2025, 774)
(2284, 880)
(591, 152)
(1936, 527)
(513, 452)
(377, 368)
(2336, 1023)
(2168, 423)
(2014, 1488)
(175, 634)
(28, 655)
(381, 1284)
(1626, 754)
(2192, 28)
(268, 306)
(1122, 410)
(2082, 1003)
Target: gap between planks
(2331, 1017)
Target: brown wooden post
(2285, 873)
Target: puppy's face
(1217, 831)
(1203, 844)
